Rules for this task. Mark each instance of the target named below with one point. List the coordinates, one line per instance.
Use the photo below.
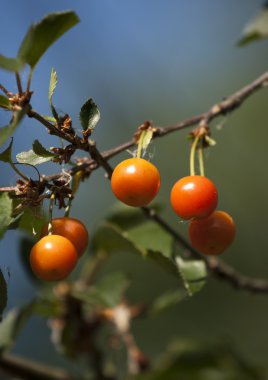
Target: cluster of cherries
(55, 255)
(136, 182)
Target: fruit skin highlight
(71, 228)
(135, 182)
(53, 258)
(194, 197)
(214, 234)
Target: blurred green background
(163, 61)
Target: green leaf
(256, 29)
(110, 238)
(7, 132)
(145, 139)
(166, 300)
(6, 155)
(11, 326)
(42, 35)
(3, 294)
(32, 220)
(5, 213)
(126, 217)
(40, 150)
(193, 273)
(149, 235)
(49, 118)
(52, 85)
(89, 115)
(10, 64)
(36, 156)
(107, 292)
(31, 158)
(4, 102)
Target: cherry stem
(201, 161)
(192, 155)
(50, 213)
(68, 208)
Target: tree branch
(217, 267)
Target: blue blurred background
(163, 61)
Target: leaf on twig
(6, 155)
(36, 156)
(43, 34)
(89, 115)
(110, 238)
(256, 29)
(52, 85)
(5, 213)
(4, 102)
(10, 64)
(193, 273)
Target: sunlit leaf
(193, 273)
(43, 34)
(4, 102)
(5, 213)
(89, 115)
(145, 139)
(10, 64)
(256, 29)
(3, 294)
(36, 156)
(52, 85)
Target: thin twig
(19, 83)
(4, 90)
(218, 268)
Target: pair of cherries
(136, 182)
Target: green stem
(68, 208)
(50, 214)
(29, 80)
(192, 155)
(18, 171)
(201, 161)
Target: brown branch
(19, 83)
(221, 108)
(29, 370)
(51, 127)
(218, 268)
